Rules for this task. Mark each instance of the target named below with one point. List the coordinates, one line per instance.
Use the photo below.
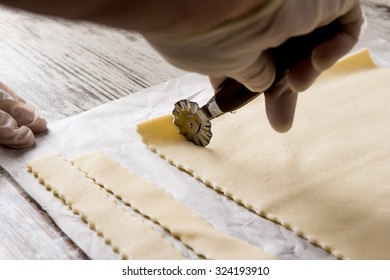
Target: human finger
(280, 103)
(327, 53)
(13, 136)
(216, 81)
(24, 115)
(4, 90)
(258, 75)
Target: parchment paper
(111, 128)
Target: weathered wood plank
(27, 231)
(377, 13)
(65, 68)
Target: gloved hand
(238, 49)
(228, 38)
(18, 120)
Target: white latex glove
(227, 38)
(18, 120)
(238, 49)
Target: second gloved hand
(18, 120)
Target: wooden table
(64, 68)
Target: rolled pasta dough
(128, 235)
(328, 179)
(159, 206)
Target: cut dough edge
(217, 240)
(155, 204)
(157, 246)
(343, 66)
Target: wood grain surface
(377, 13)
(64, 68)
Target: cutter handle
(232, 95)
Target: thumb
(280, 103)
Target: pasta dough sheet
(159, 206)
(128, 235)
(327, 179)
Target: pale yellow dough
(128, 235)
(159, 206)
(328, 179)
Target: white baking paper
(112, 129)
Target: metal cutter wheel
(194, 122)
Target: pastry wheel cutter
(194, 122)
